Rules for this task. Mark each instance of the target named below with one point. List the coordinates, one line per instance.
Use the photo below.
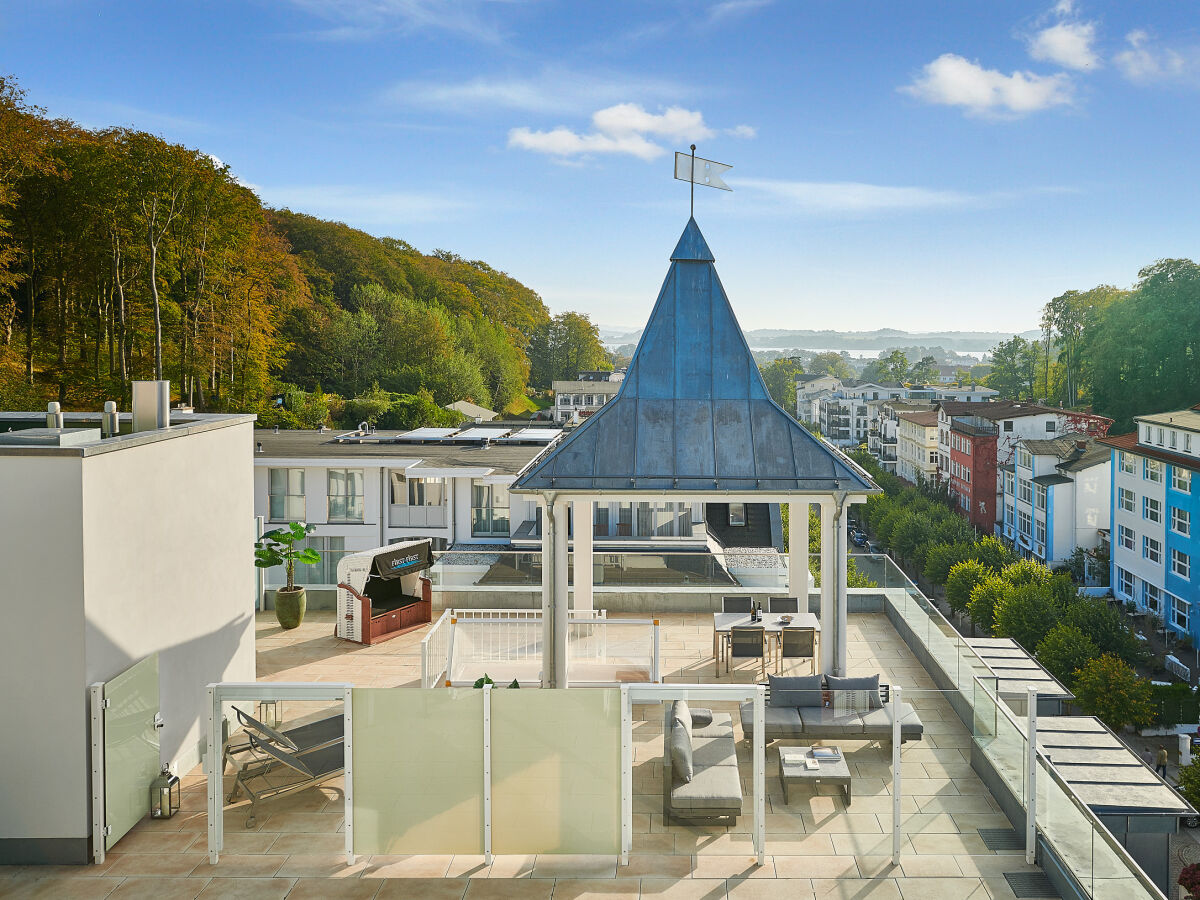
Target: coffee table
(792, 771)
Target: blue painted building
(1155, 518)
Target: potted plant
(277, 548)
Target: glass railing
(499, 570)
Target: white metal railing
(1176, 668)
(502, 648)
(610, 651)
(435, 647)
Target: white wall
(1132, 560)
(43, 741)
(168, 548)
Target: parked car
(873, 547)
(1189, 821)
(858, 539)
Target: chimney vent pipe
(54, 416)
(109, 422)
(151, 405)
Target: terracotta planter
(289, 607)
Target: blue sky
(917, 165)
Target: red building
(972, 465)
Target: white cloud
(728, 8)
(1145, 61)
(551, 91)
(742, 131)
(364, 207)
(952, 80)
(1069, 44)
(624, 128)
(366, 19)
(859, 198)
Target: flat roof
(26, 434)
(1188, 419)
(503, 458)
(1129, 443)
(1103, 771)
(1016, 670)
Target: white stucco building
(916, 446)
(114, 549)
(578, 399)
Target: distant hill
(851, 341)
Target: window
(1040, 496)
(417, 491)
(1152, 470)
(1024, 491)
(1023, 522)
(967, 448)
(1151, 596)
(1008, 426)
(933, 456)
(1144, 434)
(331, 549)
(1173, 436)
(1051, 426)
(1179, 611)
(1181, 521)
(1187, 443)
(345, 492)
(1128, 463)
(1127, 583)
(1181, 564)
(1181, 479)
(1126, 537)
(1039, 531)
(1152, 549)
(1010, 482)
(1126, 499)
(1024, 458)
(489, 509)
(1159, 434)
(1151, 509)
(737, 514)
(285, 495)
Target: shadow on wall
(185, 669)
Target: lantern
(164, 795)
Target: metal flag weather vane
(696, 170)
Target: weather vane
(696, 170)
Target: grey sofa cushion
(701, 717)
(879, 722)
(680, 741)
(713, 751)
(825, 720)
(804, 690)
(713, 788)
(780, 721)
(860, 683)
(720, 726)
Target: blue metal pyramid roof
(693, 414)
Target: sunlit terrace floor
(816, 845)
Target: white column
(798, 552)
(840, 600)
(546, 506)
(561, 603)
(829, 635)
(583, 554)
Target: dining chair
(747, 642)
(797, 642)
(736, 604)
(783, 604)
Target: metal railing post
(626, 774)
(1031, 779)
(760, 779)
(894, 702)
(348, 770)
(487, 774)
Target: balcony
(974, 426)
(404, 516)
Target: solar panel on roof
(533, 436)
(427, 434)
(481, 434)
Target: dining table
(772, 623)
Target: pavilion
(693, 421)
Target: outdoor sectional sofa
(701, 781)
(802, 708)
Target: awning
(402, 559)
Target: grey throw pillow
(803, 690)
(860, 683)
(680, 746)
(701, 717)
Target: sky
(917, 165)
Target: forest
(124, 256)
